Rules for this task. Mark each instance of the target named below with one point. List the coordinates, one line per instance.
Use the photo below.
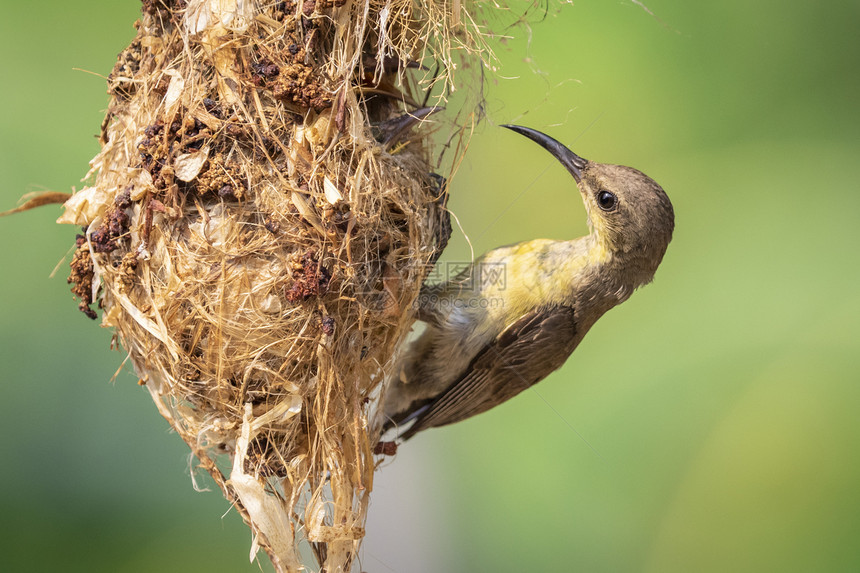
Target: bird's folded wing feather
(523, 354)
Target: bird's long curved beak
(571, 161)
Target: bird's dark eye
(606, 200)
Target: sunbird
(516, 313)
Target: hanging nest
(262, 215)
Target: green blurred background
(715, 413)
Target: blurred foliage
(708, 424)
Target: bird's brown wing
(523, 354)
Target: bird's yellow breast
(536, 273)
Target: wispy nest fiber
(257, 230)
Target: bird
(516, 314)
(392, 131)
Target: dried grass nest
(257, 227)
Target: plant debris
(259, 221)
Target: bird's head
(629, 213)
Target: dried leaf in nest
(39, 200)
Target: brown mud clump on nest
(260, 219)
